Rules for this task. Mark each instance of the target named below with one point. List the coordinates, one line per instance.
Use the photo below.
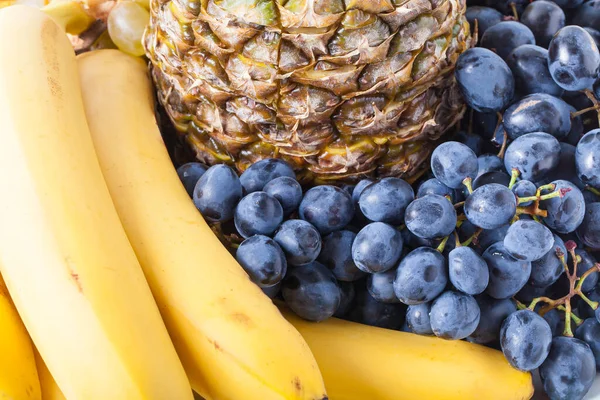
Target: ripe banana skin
(18, 374)
(64, 255)
(362, 362)
(233, 341)
(50, 390)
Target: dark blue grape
(573, 58)
(524, 188)
(299, 240)
(590, 197)
(272, 291)
(557, 325)
(417, 318)
(528, 240)
(431, 217)
(486, 82)
(454, 315)
(499, 177)
(452, 162)
(583, 309)
(358, 189)
(587, 14)
(381, 286)
(486, 17)
(468, 271)
(262, 172)
(525, 338)
(377, 247)
(538, 113)
(489, 163)
(587, 262)
(506, 36)
(484, 124)
(366, 310)
(569, 370)
(311, 291)
(530, 292)
(535, 155)
(566, 213)
(587, 158)
(336, 254)
(544, 18)
(217, 193)
(507, 274)
(490, 236)
(287, 191)
(508, 7)
(547, 270)
(493, 312)
(190, 174)
(589, 230)
(589, 332)
(347, 293)
(595, 34)
(258, 214)
(471, 140)
(491, 206)
(577, 129)
(565, 170)
(263, 260)
(568, 4)
(433, 186)
(386, 200)
(422, 275)
(327, 207)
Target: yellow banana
(233, 341)
(362, 362)
(50, 390)
(18, 374)
(64, 255)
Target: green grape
(126, 24)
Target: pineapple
(341, 89)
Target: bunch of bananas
(122, 287)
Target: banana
(50, 390)
(18, 374)
(64, 255)
(362, 362)
(233, 341)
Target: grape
(358, 189)
(565, 170)
(587, 158)
(262, 172)
(589, 230)
(584, 310)
(486, 17)
(528, 240)
(524, 188)
(535, 155)
(538, 113)
(589, 332)
(381, 286)
(263, 260)
(557, 325)
(368, 311)
(568, 4)
(126, 24)
(452, 162)
(433, 186)
(544, 18)
(431, 217)
(546, 270)
(471, 140)
(569, 370)
(529, 65)
(576, 132)
(468, 271)
(485, 123)
(299, 240)
(417, 318)
(422, 275)
(258, 214)
(287, 191)
(272, 291)
(386, 200)
(506, 36)
(573, 58)
(587, 14)
(336, 254)
(347, 293)
(311, 291)
(491, 206)
(190, 174)
(490, 236)
(217, 193)
(587, 262)
(507, 274)
(530, 292)
(327, 207)
(525, 338)
(566, 213)
(454, 315)
(506, 6)
(590, 197)
(493, 313)
(486, 82)
(499, 177)
(489, 163)
(377, 247)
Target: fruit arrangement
(324, 240)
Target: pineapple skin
(341, 89)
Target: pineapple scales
(341, 89)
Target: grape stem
(513, 7)
(514, 174)
(590, 95)
(593, 190)
(578, 321)
(504, 137)
(467, 182)
(472, 238)
(442, 245)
